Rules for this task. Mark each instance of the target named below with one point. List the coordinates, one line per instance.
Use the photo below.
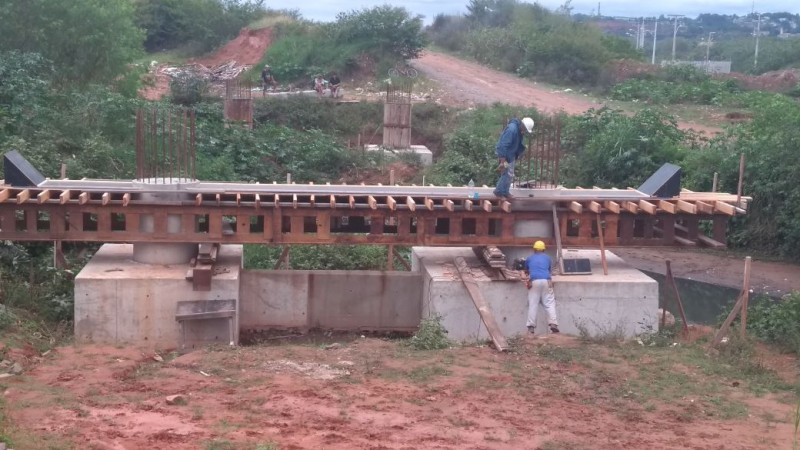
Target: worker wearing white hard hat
(540, 288)
(508, 149)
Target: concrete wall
(330, 299)
(118, 300)
(625, 301)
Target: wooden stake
(678, 301)
(557, 233)
(741, 179)
(481, 304)
(727, 324)
(715, 183)
(745, 294)
(602, 245)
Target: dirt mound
(775, 81)
(623, 69)
(247, 48)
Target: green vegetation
(676, 84)
(777, 322)
(430, 336)
(369, 38)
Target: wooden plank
(198, 199)
(257, 201)
(648, 207)
(4, 195)
(468, 205)
(725, 208)
(23, 196)
(352, 201)
(487, 206)
(238, 199)
(683, 241)
(630, 207)
(705, 240)
(704, 208)
(667, 206)
(411, 204)
(505, 205)
(312, 200)
(727, 323)
(294, 201)
(373, 204)
(218, 198)
(576, 207)
(333, 202)
(277, 201)
(612, 206)
(43, 196)
(595, 207)
(600, 234)
(391, 202)
(449, 205)
(106, 199)
(83, 198)
(481, 304)
(126, 199)
(686, 207)
(745, 289)
(429, 203)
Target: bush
(777, 321)
(318, 257)
(187, 89)
(676, 84)
(430, 336)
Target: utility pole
(708, 50)
(758, 34)
(675, 18)
(655, 32)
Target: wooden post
(59, 262)
(602, 245)
(391, 177)
(741, 179)
(557, 234)
(715, 183)
(727, 324)
(671, 281)
(288, 178)
(745, 294)
(63, 171)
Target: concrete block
(118, 300)
(625, 301)
(425, 155)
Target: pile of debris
(9, 368)
(219, 73)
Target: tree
(382, 29)
(86, 40)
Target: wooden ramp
(485, 312)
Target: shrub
(777, 321)
(430, 336)
(187, 89)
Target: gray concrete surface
(425, 155)
(624, 302)
(118, 300)
(330, 299)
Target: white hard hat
(528, 122)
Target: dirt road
(467, 84)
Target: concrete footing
(623, 303)
(119, 300)
(425, 155)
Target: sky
(326, 10)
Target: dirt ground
(367, 393)
(468, 84)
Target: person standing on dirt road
(540, 288)
(508, 149)
(267, 78)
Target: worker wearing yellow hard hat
(540, 288)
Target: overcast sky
(326, 10)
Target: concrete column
(163, 253)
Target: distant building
(707, 66)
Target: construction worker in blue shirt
(540, 288)
(508, 149)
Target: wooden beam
(705, 240)
(63, 197)
(23, 196)
(667, 206)
(277, 201)
(630, 207)
(294, 201)
(106, 198)
(333, 201)
(126, 199)
(312, 200)
(352, 201)
(576, 207)
(684, 241)
(505, 205)
(238, 198)
(391, 203)
(4, 194)
(468, 205)
(481, 304)
(198, 199)
(83, 198)
(449, 205)
(612, 206)
(595, 207)
(257, 201)
(43, 196)
(725, 208)
(373, 204)
(429, 203)
(687, 207)
(487, 206)
(648, 207)
(704, 208)
(412, 205)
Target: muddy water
(703, 302)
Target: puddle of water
(702, 302)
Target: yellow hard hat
(538, 245)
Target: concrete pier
(119, 300)
(625, 302)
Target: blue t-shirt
(538, 265)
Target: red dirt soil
(550, 393)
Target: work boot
(531, 329)
(554, 328)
